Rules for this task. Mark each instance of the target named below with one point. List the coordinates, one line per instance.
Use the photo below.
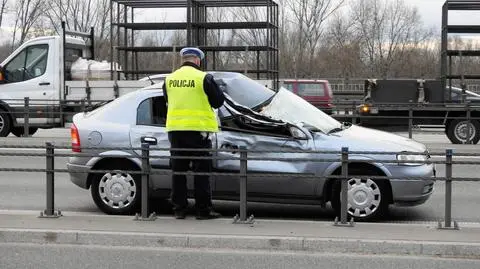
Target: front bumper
(79, 174)
(412, 185)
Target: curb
(268, 243)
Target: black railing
(343, 159)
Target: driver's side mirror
(298, 133)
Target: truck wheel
(457, 131)
(5, 124)
(18, 131)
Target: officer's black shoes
(207, 215)
(180, 214)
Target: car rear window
(311, 89)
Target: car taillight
(75, 138)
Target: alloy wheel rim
(2, 123)
(364, 197)
(117, 190)
(461, 131)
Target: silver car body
(273, 121)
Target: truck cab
(35, 70)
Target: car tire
(18, 131)
(456, 131)
(364, 195)
(5, 124)
(118, 192)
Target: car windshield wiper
(335, 130)
(345, 125)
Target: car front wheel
(116, 193)
(367, 199)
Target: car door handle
(149, 140)
(44, 83)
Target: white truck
(37, 89)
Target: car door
(30, 74)
(151, 119)
(265, 186)
(151, 123)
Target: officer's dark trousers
(190, 139)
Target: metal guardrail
(358, 86)
(349, 109)
(344, 159)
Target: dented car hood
(293, 109)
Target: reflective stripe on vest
(188, 106)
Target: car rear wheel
(116, 193)
(367, 198)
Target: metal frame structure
(196, 26)
(447, 54)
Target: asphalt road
(98, 257)
(26, 191)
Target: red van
(316, 92)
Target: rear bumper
(79, 174)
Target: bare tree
(387, 29)
(27, 14)
(343, 48)
(309, 17)
(79, 15)
(3, 8)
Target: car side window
(288, 86)
(152, 111)
(311, 89)
(29, 63)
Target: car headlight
(405, 159)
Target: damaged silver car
(256, 118)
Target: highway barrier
(342, 158)
(410, 115)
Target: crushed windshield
(243, 90)
(291, 108)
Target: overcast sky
(430, 11)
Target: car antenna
(151, 80)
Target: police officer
(190, 94)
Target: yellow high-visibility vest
(188, 106)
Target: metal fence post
(468, 141)
(26, 117)
(344, 192)
(243, 190)
(448, 192)
(82, 105)
(354, 116)
(410, 120)
(49, 212)
(145, 185)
